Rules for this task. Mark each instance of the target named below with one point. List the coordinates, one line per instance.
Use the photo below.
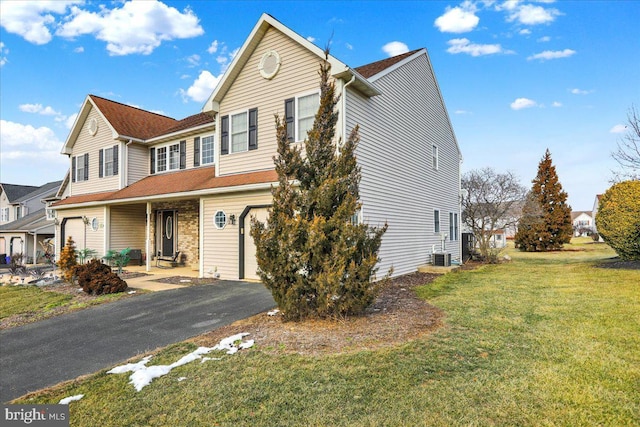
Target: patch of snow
(273, 312)
(66, 400)
(185, 280)
(143, 375)
(204, 359)
(182, 379)
(131, 292)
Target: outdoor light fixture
(85, 219)
(232, 219)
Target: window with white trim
(161, 159)
(174, 157)
(220, 219)
(453, 226)
(436, 221)
(207, 150)
(300, 114)
(239, 132)
(435, 160)
(80, 168)
(4, 214)
(51, 214)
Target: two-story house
(26, 219)
(143, 180)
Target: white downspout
(147, 245)
(344, 107)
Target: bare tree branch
(628, 153)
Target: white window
(51, 214)
(174, 157)
(207, 150)
(81, 166)
(239, 132)
(95, 224)
(108, 162)
(220, 219)
(162, 159)
(168, 158)
(434, 154)
(453, 226)
(4, 214)
(306, 108)
(436, 221)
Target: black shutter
(101, 163)
(86, 167)
(183, 154)
(196, 151)
(224, 135)
(73, 169)
(290, 117)
(153, 160)
(253, 129)
(115, 160)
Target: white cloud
(556, 104)
(577, 91)
(201, 89)
(521, 103)
(79, 49)
(136, 27)
(3, 54)
(459, 19)
(461, 112)
(25, 142)
(552, 54)
(528, 14)
(349, 46)
(32, 19)
(311, 39)
(524, 32)
(214, 47)
(395, 48)
(193, 60)
(473, 49)
(618, 129)
(544, 39)
(69, 121)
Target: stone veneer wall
(188, 212)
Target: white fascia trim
(191, 194)
(175, 135)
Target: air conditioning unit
(442, 260)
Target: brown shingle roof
(190, 122)
(374, 68)
(175, 182)
(132, 121)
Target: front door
(166, 232)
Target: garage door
(76, 229)
(250, 263)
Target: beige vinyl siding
(221, 247)
(82, 233)
(298, 74)
(137, 163)
(127, 227)
(86, 143)
(399, 185)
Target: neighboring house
(9, 195)
(146, 181)
(33, 222)
(582, 223)
(499, 239)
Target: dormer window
(169, 157)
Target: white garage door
(250, 263)
(76, 229)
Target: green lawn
(545, 340)
(32, 303)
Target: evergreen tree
(314, 258)
(68, 260)
(546, 221)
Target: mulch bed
(617, 263)
(397, 316)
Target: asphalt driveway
(45, 353)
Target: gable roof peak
(373, 68)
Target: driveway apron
(62, 348)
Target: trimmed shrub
(68, 261)
(618, 219)
(96, 278)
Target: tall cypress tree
(314, 258)
(546, 222)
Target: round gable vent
(93, 126)
(269, 64)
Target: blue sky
(517, 77)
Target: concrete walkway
(62, 348)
